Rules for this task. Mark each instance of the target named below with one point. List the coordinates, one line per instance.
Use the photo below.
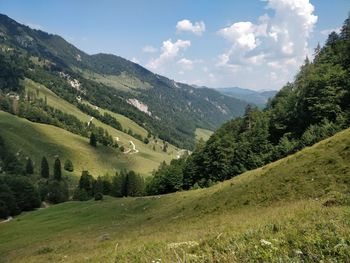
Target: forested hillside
(170, 110)
(313, 107)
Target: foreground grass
(293, 210)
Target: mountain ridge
(178, 109)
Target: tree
(26, 194)
(45, 171)
(8, 205)
(57, 192)
(134, 184)
(29, 166)
(118, 184)
(98, 185)
(93, 141)
(68, 166)
(86, 182)
(81, 195)
(57, 170)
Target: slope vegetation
(174, 110)
(36, 140)
(292, 210)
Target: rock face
(139, 105)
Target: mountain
(258, 98)
(286, 210)
(166, 108)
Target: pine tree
(93, 140)
(29, 166)
(86, 182)
(45, 171)
(57, 170)
(98, 185)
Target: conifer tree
(57, 170)
(29, 166)
(45, 171)
(93, 141)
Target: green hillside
(36, 140)
(174, 109)
(292, 210)
(203, 134)
(58, 103)
(150, 155)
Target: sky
(255, 44)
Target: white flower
(264, 242)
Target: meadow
(292, 210)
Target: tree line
(313, 107)
(22, 188)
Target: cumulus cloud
(169, 51)
(197, 28)
(241, 34)
(188, 64)
(279, 41)
(149, 49)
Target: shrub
(80, 195)
(98, 196)
(68, 166)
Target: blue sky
(253, 44)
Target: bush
(98, 196)
(80, 195)
(57, 192)
(68, 166)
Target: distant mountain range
(259, 98)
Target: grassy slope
(144, 161)
(203, 134)
(123, 82)
(36, 140)
(271, 214)
(124, 121)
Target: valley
(103, 159)
(265, 214)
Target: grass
(122, 82)
(292, 210)
(124, 121)
(36, 140)
(203, 134)
(149, 156)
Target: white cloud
(278, 42)
(241, 34)
(169, 51)
(326, 32)
(149, 49)
(188, 64)
(197, 28)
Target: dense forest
(313, 107)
